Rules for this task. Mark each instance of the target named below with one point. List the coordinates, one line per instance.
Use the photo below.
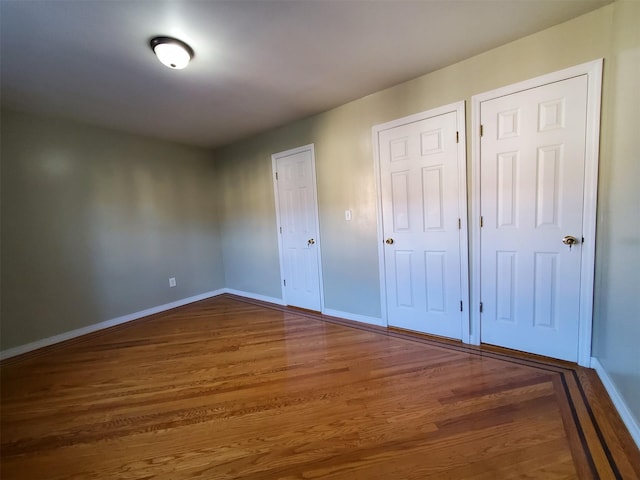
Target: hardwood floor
(228, 388)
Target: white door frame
(274, 158)
(457, 107)
(593, 71)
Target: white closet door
(532, 179)
(421, 213)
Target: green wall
(616, 336)
(94, 222)
(346, 180)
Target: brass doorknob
(389, 241)
(311, 241)
(570, 240)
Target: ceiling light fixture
(172, 52)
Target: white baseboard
(355, 317)
(626, 415)
(45, 342)
(254, 296)
(332, 313)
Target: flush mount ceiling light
(172, 52)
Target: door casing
(593, 71)
(459, 108)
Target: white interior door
(423, 200)
(297, 214)
(532, 170)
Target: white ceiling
(258, 63)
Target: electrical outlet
(172, 282)
(347, 215)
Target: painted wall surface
(617, 299)
(94, 223)
(346, 178)
(247, 219)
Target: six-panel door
(421, 224)
(532, 174)
(298, 224)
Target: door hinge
(582, 239)
(460, 305)
(280, 229)
(459, 224)
(276, 175)
(457, 137)
(285, 283)
(481, 221)
(480, 307)
(481, 130)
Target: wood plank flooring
(228, 388)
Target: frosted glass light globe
(172, 52)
